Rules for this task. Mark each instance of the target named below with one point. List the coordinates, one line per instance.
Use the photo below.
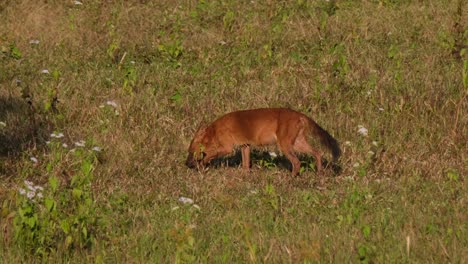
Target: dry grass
(386, 65)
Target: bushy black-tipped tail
(326, 139)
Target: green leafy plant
(57, 216)
(15, 53)
(130, 77)
(340, 66)
(172, 51)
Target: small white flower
(58, 135)
(65, 145)
(78, 3)
(132, 62)
(80, 143)
(31, 195)
(97, 149)
(39, 195)
(28, 183)
(117, 112)
(273, 154)
(362, 130)
(381, 109)
(375, 143)
(31, 188)
(185, 200)
(369, 93)
(2, 124)
(356, 165)
(38, 188)
(47, 142)
(112, 103)
(22, 191)
(45, 71)
(222, 42)
(34, 42)
(33, 159)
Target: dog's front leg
(245, 149)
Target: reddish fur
(286, 128)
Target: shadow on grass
(264, 159)
(19, 129)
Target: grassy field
(99, 101)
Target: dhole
(286, 128)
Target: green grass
(397, 68)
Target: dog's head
(201, 142)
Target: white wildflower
(112, 103)
(58, 135)
(31, 188)
(30, 195)
(80, 143)
(375, 143)
(185, 200)
(39, 195)
(28, 183)
(34, 42)
(362, 130)
(381, 109)
(22, 191)
(222, 42)
(132, 62)
(78, 3)
(33, 159)
(45, 71)
(65, 145)
(38, 188)
(47, 142)
(273, 154)
(97, 149)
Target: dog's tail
(326, 139)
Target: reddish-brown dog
(286, 128)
